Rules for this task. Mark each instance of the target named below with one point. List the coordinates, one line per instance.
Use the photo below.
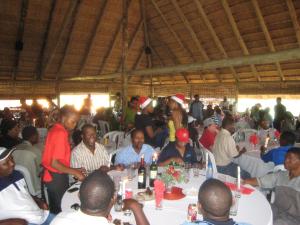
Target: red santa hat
(144, 102)
(179, 98)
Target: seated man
(97, 197)
(16, 202)
(209, 134)
(286, 210)
(29, 156)
(225, 150)
(214, 202)
(180, 151)
(277, 155)
(132, 153)
(89, 154)
(264, 130)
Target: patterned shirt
(83, 157)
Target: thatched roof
(66, 39)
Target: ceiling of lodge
(63, 39)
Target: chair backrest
(104, 127)
(279, 168)
(27, 178)
(117, 137)
(211, 158)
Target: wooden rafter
(193, 35)
(294, 18)
(266, 58)
(19, 41)
(112, 43)
(60, 35)
(239, 36)
(215, 36)
(45, 41)
(267, 35)
(69, 40)
(132, 41)
(171, 30)
(92, 40)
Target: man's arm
(136, 208)
(251, 181)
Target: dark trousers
(231, 170)
(56, 189)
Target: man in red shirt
(210, 131)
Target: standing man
(224, 105)
(196, 108)
(280, 111)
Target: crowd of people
(176, 131)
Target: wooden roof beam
(112, 43)
(214, 35)
(267, 35)
(92, 40)
(266, 58)
(69, 39)
(171, 30)
(45, 41)
(20, 34)
(65, 23)
(294, 18)
(239, 36)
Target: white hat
(4, 153)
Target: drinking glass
(196, 171)
(131, 171)
(235, 204)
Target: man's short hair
(289, 137)
(29, 132)
(196, 96)
(215, 198)
(67, 110)
(96, 192)
(135, 131)
(227, 121)
(294, 150)
(87, 126)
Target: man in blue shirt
(179, 151)
(132, 153)
(214, 202)
(277, 155)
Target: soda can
(192, 213)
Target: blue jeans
(47, 221)
(231, 170)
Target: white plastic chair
(279, 168)
(211, 158)
(104, 127)
(27, 178)
(117, 137)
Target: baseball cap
(4, 153)
(182, 135)
(209, 121)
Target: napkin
(244, 190)
(159, 189)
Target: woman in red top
(210, 131)
(56, 158)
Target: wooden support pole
(124, 55)
(270, 57)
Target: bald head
(215, 198)
(96, 193)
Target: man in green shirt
(130, 113)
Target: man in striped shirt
(89, 154)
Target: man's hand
(41, 204)
(104, 169)
(177, 160)
(119, 167)
(79, 174)
(137, 210)
(243, 151)
(13, 222)
(131, 204)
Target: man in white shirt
(89, 154)
(29, 156)
(225, 150)
(15, 200)
(97, 197)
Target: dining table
(252, 208)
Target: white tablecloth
(253, 209)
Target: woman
(10, 131)
(56, 158)
(178, 117)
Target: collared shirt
(16, 201)
(57, 147)
(29, 156)
(287, 196)
(276, 155)
(224, 148)
(128, 155)
(207, 139)
(78, 218)
(83, 157)
(170, 151)
(196, 110)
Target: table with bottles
(253, 209)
